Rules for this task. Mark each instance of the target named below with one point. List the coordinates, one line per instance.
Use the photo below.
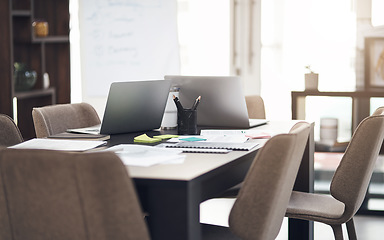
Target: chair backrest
(58, 195)
(9, 132)
(255, 106)
(58, 118)
(351, 179)
(263, 199)
(378, 111)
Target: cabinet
(50, 54)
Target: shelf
(51, 39)
(50, 54)
(35, 93)
(21, 13)
(353, 94)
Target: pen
(178, 103)
(197, 101)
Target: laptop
(132, 106)
(222, 100)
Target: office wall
(125, 40)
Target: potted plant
(311, 79)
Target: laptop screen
(222, 99)
(135, 106)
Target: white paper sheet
(251, 133)
(145, 156)
(59, 144)
(213, 138)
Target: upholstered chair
(47, 194)
(349, 183)
(58, 118)
(9, 132)
(259, 209)
(255, 106)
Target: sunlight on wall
(74, 37)
(204, 38)
(296, 33)
(377, 13)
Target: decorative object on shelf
(311, 79)
(24, 79)
(46, 81)
(40, 28)
(374, 62)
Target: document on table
(254, 134)
(59, 144)
(211, 138)
(146, 156)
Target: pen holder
(187, 122)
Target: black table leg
(300, 229)
(173, 210)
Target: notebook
(132, 106)
(215, 145)
(222, 100)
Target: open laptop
(132, 106)
(222, 100)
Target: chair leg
(338, 232)
(351, 230)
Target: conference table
(170, 194)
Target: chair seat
(310, 206)
(216, 211)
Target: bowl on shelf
(24, 79)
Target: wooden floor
(367, 227)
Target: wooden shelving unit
(50, 54)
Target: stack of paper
(80, 136)
(254, 134)
(62, 145)
(211, 138)
(145, 156)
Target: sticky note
(192, 139)
(145, 139)
(166, 136)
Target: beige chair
(349, 184)
(58, 118)
(259, 209)
(255, 106)
(60, 195)
(256, 110)
(9, 132)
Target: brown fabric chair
(60, 195)
(349, 184)
(378, 111)
(256, 110)
(255, 106)
(58, 118)
(259, 209)
(9, 132)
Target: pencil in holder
(187, 122)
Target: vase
(24, 79)
(311, 81)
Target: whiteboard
(122, 40)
